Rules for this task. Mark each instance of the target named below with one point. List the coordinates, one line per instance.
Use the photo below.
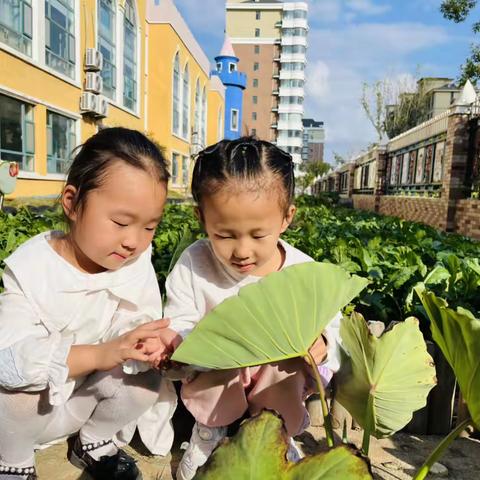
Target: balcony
(274, 126)
(275, 92)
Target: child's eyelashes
(120, 224)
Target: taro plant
(457, 333)
(278, 318)
(382, 381)
(259, 451)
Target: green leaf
(277, 318)
(457, 333)
(258, 451)
(384, 380)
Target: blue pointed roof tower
(235, 83)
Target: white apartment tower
(270, 38)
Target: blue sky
(352, 41)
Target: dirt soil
(396, 458)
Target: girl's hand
(160, 349)
(130, 345)
(319, 350)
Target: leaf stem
(327, 421)
(368, 427)
(440, 449)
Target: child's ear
(68, 202)
(199, 214)
(287, 220)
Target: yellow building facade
(54, 95)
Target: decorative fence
(428, 174)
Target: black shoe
(27, 473)
(120, 466)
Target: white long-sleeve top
(199, 282)
(48, 305)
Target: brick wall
(467, 218)
(432, 211)
(364, 202)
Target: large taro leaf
(258, 452)
(277, 318)
(457, 333)
(384, 380)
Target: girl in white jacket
(73, 311)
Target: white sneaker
(202, 443)
(294, 452)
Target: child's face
(118, 219)
(244, 229)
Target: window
(219, 66)
(130, 57)
(232, 67)
(185, 169)
(176, 95)
(61, 140)
(175, 159)
(234, 120)
(59, 36)
(255, 82)
(106, 45)
(257, 32)
(197, 112)
(253, 132)
(16, 24)
(204, 117)
(258, 15)
(186, 102)
(255, 99)
(17, 133)
(256, 66)
(256, 49)
(254, 115)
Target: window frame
(72, 134)
(27, 125)
(71, 48)
(101, 38)
(22, 33)
(130, 5)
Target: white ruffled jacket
(48, 305)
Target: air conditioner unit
(93, 82)
(102, 107)
(93, 60)
(89, 102)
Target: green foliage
(458, 11)
(383, 380)
(259, 451)
(457, 333)
(15, 229)
(277, 318)
(393, 254)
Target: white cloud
(339, 61)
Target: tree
(458, 11)
(394, 105)
(311, 170)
